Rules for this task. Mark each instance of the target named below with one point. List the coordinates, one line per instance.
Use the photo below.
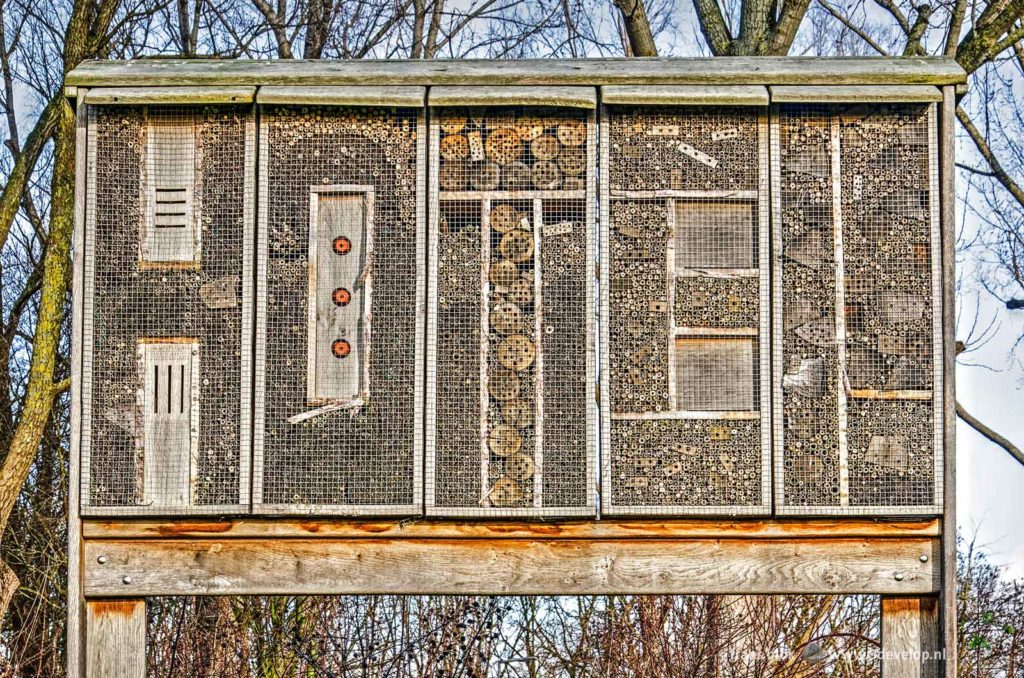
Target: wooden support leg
(911, 643)
(116, 638)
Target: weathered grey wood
(169, 407)
(171, 231)
(170, 95)
(662, 71)
(860, 94)
(489, 95)
(353, 95)
(727, 415)
(910, 637)
(339, 211)
(714, 374)
(638, 529)
(835, 145)
(75, 646)
(703, 95)
(116, 638)
(947, 193)
(510, 566)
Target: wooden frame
(262, 259)
(760, 198)
(536, 199)
(910, 562)
(941, 274)
(84, 272)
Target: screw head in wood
(898, 576)
(924, 559)
(126, 579)
(102, 560)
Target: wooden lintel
(313, 528)
(509, 566)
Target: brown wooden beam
(156, 567)
(312, 528)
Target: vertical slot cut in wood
(169, 408)
(171, 233)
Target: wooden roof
(617, 71)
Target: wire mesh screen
(858, 322)
(339, 318)
(684, 271)
(511, 418)
(168, 243)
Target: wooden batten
(699, 95)
(353, 95)
(854, 94)
(170, 95)
(569, 97)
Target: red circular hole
(341, 297)
(342, 245)
(341, 348)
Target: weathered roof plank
(634, 71)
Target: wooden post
(911, 641)
(76, 603)
(947, 193)
(116, 638)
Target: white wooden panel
(171, 230)
(339, 293)
(169, 408)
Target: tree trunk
(638, 27)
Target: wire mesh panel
(511, 418)
(684, 280)
(857, 309)
(339, 319)
(167, 321)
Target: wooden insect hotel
(612, 326)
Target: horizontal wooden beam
(170, 95)
(856, 94)
(314, 528)
(627, 71)
(412, 97)
(700, 95)
(482, 95)
(509, 566)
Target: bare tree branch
(990, 434)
